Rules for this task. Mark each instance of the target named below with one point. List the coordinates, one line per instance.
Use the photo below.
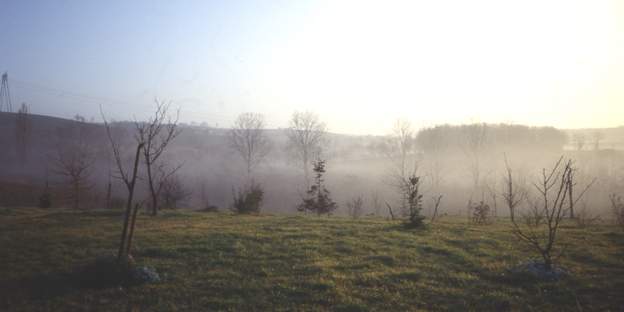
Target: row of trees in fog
(443, 157)
(421, 169)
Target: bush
(318, 199)
(617, 208)
(45, 201)
(209, 208)
(249, 199)
(480, 212)
(414, 200)
(354, 207)
(585, 218)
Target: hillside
(242, 263)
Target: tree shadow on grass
(37, 287)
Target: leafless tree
(73, 160)
(597, 138)
(355, 206)
(392, 217)
(306, 137)
(541, 225)
(617, 208)
(436, 206)
(512, 194)
(156, 133)
(375, 202)
(571, 200)
(248, 138)
(578, 139)
(174, 193)
(129, 177)
(493, 194)
(23, 129)
(403, 160)
(473, 146)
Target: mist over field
(312, 155)
(358, 166)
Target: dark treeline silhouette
(506, 137)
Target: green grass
(241, 263)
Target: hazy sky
(359, 64)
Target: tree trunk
(130, 185)
(108, 195)
(571, 200)
(150, 180)
(131, 234)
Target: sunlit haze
(359, 64)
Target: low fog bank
(462, 163)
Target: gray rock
(538, 269)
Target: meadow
(221, 261)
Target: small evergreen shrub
(414, 201)
(318, 200)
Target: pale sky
(359, 64)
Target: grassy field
(245, 263)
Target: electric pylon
(5, 95)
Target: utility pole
(5, 95)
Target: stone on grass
(537, 269)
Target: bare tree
(541, 225)
(129, 177)
(572, 184)
(597, 137)
(248, 138)
(512, 195)
(404, 163)
(375, 202)
(578, 139)
(354, 207)
(617, 208)
(23, 129)
(156, 133)
(473, 146)
(306, 136)
(73, 160)
(174, 193)
(437, 200)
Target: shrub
(45, 201)
(318, 199)
(248, 199)
(585, 218)
(617, 208)
(480, 212)
(414, 200)
(209, 208)
(354, 207)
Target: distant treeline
(489, 137)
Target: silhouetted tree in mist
(129, 177)
(306, 138)
(317, 198)
(542, 221)
(23, 129)
(156, 134)
(74, 159)
(403, 161)
(247, 137)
